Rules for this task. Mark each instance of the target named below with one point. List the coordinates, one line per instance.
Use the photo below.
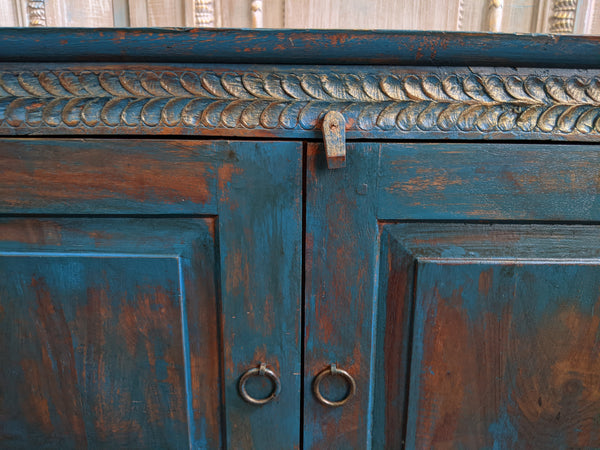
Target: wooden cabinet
(466, 304)
(174, 248)
(140, 280)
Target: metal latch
(334, 135)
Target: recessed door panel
(109, 331)
(506, 355)
(505, 329)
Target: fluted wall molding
(495, 8)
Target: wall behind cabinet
(525, 16)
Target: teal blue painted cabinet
(459, 284)
(179, 268)
(140, 280)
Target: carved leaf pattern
(268, 100)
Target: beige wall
(558, 16)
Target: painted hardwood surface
(524, 16)
(109, 333)
(451, 268)
(526, 371)
(41, 176)
(132, 330)
(260, 235)
(506, 330)
(374, 47)
(453, 181)
(459, 335)
(341, 236)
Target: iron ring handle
(334, 371)
(261, 371)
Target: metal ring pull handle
(334, 371)
(261, 371)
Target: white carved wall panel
(526, 16)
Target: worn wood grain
(391, 371)
(458, 334)
(233, 287)
(109, 331)
(340, 259)
(506, 331)
(121, 176)
(339, 277)
(260, 246)
(298, 46)
(487, 181)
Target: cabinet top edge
(276, 46)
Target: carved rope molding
(462, 102)
(36, 12)
(563, 16)
(204, 13)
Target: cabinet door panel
(396, 256)
(506, 332)
(106, 326)
(128, 330)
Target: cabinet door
(138, 281)
(458, 284)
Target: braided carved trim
(563, 16)
(36, 12)
(204, 13)
(284, 100)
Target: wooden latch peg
(334, 135)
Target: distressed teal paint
(90, 176)
(385, 47)
(115, 382)
(464, 181)
(540, 283)
(532, 295)
(217, 226)
(112, 396)
(503, 432)
(390, 375)
(233, 275)
(341, 254)
(260, 247)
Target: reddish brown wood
(92, 176)
(506, 332)
(157, 275)
(340, 257)
(104, 329)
